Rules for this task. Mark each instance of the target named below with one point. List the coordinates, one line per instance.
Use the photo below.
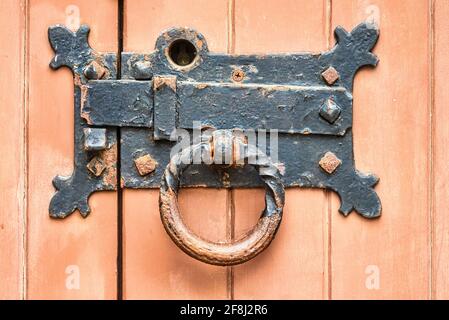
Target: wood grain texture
(389, 257)
(154, 268)
(146, 20)
(12, 169)
(440, 257)
(60, 251)
(295, 265)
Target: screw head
(238, 75)
(330, 111)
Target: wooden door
(122, 251)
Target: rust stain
(83, 88)
(226, 181)
(202, 86)
(330, 75)
(239, 141)
(166, 36)
(96, 166)
(330, 162)
(159, 82)
(145, 164)
(105, 163)
(109, 157)
(281, 168)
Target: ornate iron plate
(306, 97)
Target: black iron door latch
(302, 102)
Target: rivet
(330, 162)
(330, 111)
(94, 71)
(94, 139)
(96, 166)
(330, 75)
(238, 75)
(142, 70)
(145, 164)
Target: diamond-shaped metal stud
(330, 111)
(94, 71)
(330, 75)
(145, 164)
(330, 162)
(96, 166)
(94, 139)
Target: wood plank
(440, 257)
(145, 21)
(12, 169)
(388, 257)
(295, 265)
(154, 268)
(73, 258)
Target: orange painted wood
(317, 254)
(12, 204)
(440, 257)
(145, 21)
(73, 258)
(389, 257)
(295, 265)
(154, 268)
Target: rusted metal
(330, 162)
(96, 166)
(73, 51)
(254, 242)
(145, 164)
(306, 97)
(164, 104)
(238, 75)
(330, 75)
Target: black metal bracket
(306, 97)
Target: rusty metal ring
(252, 243)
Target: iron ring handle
(250, 244)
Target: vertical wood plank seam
(230, 200)
(431, 151)
(230, 235)
(231, 26)
(327, 221)
(120, 244)
(24, 150)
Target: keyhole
(182, 52)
